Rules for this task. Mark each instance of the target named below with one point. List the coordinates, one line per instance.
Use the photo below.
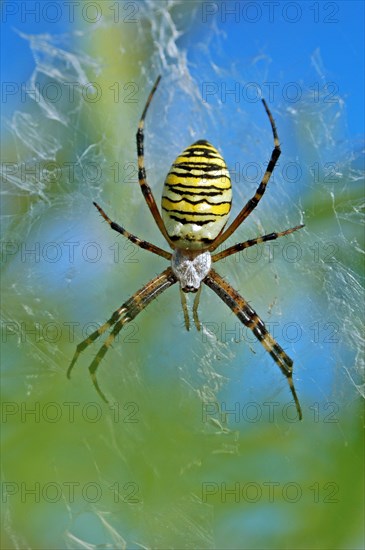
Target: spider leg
(250, 319)
(195, 308)
(90, 339)
(126, 313)
(146, 190)
(253, 202)
(136, 240)
(252, 242)
(185, 309)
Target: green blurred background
(199, 447)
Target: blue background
(339, 34)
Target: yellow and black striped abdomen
(197, 196)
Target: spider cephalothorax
(196, 202)
(190, 269)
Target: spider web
(65, 272)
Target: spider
(196, 202)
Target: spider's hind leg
(250, 319)
(126, 313)
(90, 339)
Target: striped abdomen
(197, 195)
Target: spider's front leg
(142, 178)
(254, 201)
(250, 319)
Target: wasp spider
(196, 202)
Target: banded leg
(253, 202)
(146, 190)
(90, 339)
(252, 242)
(136, 240)
(126, 313)
(195, 308)
(185, 309)
(250, 319)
